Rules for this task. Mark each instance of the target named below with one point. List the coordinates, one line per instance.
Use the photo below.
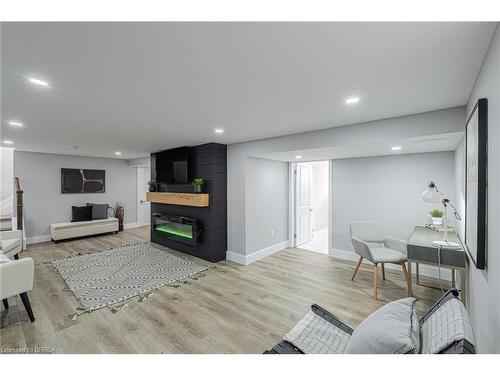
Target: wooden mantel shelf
(180, 199)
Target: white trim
(330, 207)
(424, 269)
(140, 219)
(38, 239)
(247, 259)
(292, 167)
(134, 225)
(235, 257)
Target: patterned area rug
(102, 279)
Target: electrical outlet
(271, 232)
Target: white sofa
(63, 231)
(11, 243)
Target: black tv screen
(172, 166)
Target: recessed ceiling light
(298, 156)
(118, 153)
(38, 82)
(396, 148)
(219, 131)
(352, 100)
(15, 123)
(8, 142)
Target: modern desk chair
(371, 243)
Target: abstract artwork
(476, 132)
(82, 180)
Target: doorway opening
(311, 202)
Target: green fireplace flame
(176, 230)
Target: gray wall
(386, 189)
(40, 178)
(484, 291)
(266, 203)
(240, 220)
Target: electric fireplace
(178, 228)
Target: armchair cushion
(362, 248)
(16, 277)
(396, 244)
(382, 254)
(8, 245)
(392, 329)
(11, 242)
(11, 234)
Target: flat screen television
(172, 166)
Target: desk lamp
(433, 195)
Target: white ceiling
(141, 87)
(433, 143)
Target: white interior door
(143, 207)
(304, 203)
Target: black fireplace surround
(198, 231)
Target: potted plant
(152, 185)
(437, 216)
(198, 184)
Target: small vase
(197, 188)
(152, 188)
(437, 221)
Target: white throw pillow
(392, 329)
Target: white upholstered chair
(11, 243)
(371, 243)
(16, 278)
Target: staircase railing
(19, 204)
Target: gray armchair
(371, 243)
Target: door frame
(138, 199)
(292, 204)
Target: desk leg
(410, 291)
(463, 286)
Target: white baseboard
(247, 259)
(424, 269)
(38, 239)
(235, 257)
(133, 225)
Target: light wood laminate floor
(235, 309)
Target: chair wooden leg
(5, 303)
(16, 256)
(356, 268)
(375, 281)
(405, 272)
(27, 306)
(383, 271)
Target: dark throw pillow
(99, 211)
(83, 213)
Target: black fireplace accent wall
(206, 161)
